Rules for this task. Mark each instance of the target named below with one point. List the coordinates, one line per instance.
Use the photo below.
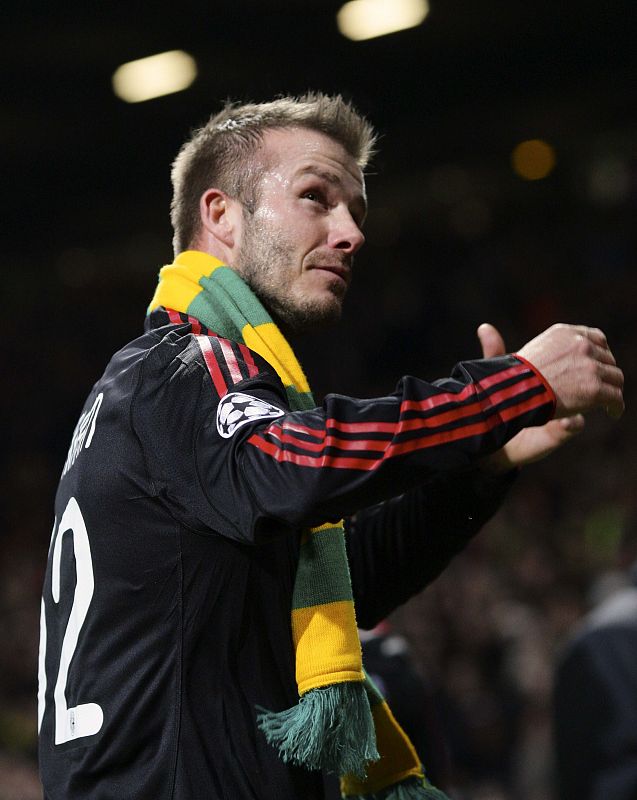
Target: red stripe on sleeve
(442, 418)
(249, 360)
(211, 363)
(404, 425)
(286, 433)
(467, 431)
(174, 317)
(194, 324)
(498, 377)
(540, 377)
(472, 388)
(390, 450)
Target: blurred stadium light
(367, 19)
(155, 76)
(533, 159)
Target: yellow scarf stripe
(327, 646)
(179, 282)
(268, 341)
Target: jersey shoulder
(186, 349)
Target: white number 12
(85, 719)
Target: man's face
(296, 250)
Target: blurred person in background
(595, 695)
(198, 636)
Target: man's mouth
(341, 271)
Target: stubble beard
(266, 263)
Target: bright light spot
(155, 76)
(366, 19)
(533, 159)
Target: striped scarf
(341, 722)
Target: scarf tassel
(331, 728)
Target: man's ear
(220, 218)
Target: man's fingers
(613, 401)
(596, 351)
(610, 393)
(611, 375)
(594, 334)
(574, 424)
(604, 387)
(491, 341)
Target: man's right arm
(229, 467)
(351, 453)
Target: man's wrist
(541, 377)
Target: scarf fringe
(331, 728)
(411, 789)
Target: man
(197, 581)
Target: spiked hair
(223, 153)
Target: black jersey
(167, 596)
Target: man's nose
(345, 233)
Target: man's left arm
(398, 547)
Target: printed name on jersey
(237, 409)
(83, 433)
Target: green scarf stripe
(223, 318)
(322, 575)
(234, 287)
(299, 401)
(216, 320)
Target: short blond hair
(221, 154)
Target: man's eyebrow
(330, 177)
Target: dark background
(454, 238)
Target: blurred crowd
(486, 635)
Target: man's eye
(315, 197)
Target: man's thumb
(491, 341)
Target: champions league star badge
(237, 409)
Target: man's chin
(309, 317)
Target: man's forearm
(397, 548)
